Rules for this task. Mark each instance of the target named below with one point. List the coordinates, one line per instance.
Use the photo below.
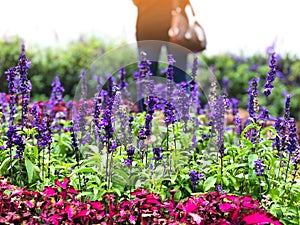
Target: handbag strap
(192, 8)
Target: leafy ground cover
(95, 160)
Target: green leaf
(178, 195)
(84, 170)
(185, 140)
(122, 174)
(234, 166)
(209, 183)
(251, 159)
(225, 181)
(30, 169)
(4, 166)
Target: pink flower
(97, 205)
(260, 218)
(49, 191)
(64, 184)
(225, 207)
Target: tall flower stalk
(268, 86)
(293, 144)
(25, 84)
(259, 170)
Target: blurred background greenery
(232, 71)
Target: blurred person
(153, 24)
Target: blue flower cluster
(157, 153)
(195, 177)
(130, 155)
(259, 166)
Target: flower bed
(178, 162)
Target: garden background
(51, 171)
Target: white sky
(231, 25)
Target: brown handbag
(186, 33)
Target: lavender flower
(287, 110)
(151, 103)
(122, 83)
(25, 84)
(169, 113)
(14, 138)
(292, 138)
(170, 72)
(130, 155)
(183, 104)
(218, 121)
(268, 86)
(253, 98)
(12, 89)
(259, 166)
(106, 123)
(226, 84)
(170, 76)
(280, 128)
(56, 96)
(157, 153)
(265, 114)
(74, 139)
(113, 146)
(234, 106)
(142, 133)
(195, 177)
(194, 141)
(43, 134)
(238, 125)
(144, 66)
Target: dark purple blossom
(56, 96)
(169, 113)
(24, 83)
(268, 86)
(123, 84)
(292, 138)
(253, 98)
(218, 123)
(259, 166)
(151, 105)
(113, 146)
(183, 104)
(12, 90)
(280, 129)
(195, 177)
(234, 106)
(157, 153)
(130, 154)
(194, 141)
(142, 133)
(287, 110)
(264, 114)
(226, 84)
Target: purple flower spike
(253, 98)
(293, 138)
(268, 86)
(259, 167)
(157, 153)
(130, 155)
(195, 177)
